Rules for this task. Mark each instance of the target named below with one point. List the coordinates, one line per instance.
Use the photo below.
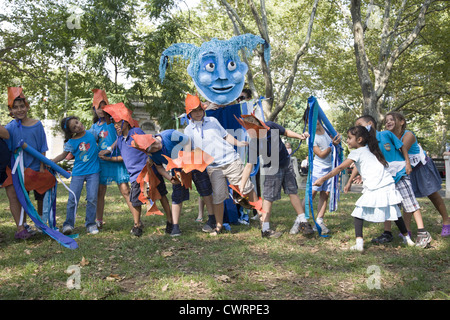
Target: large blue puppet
(215, 67)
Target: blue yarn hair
(229, 48)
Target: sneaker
(384, 238)
(322, 226)
(99, 224)
(137, 231)
(403, 237)
(176, 232)
(92, 229)
(169, 227)
(30, 230)
(407, 240)
(67, 229)
(270, 234)
(23, 235)
(306, 228)
(209, 227)
(423, 239)
(295, 228)
(357, 248)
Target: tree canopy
(361, 56)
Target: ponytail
(65, 127)
(369, 138)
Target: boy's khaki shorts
(219, 176)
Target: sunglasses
(241, 98)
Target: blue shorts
(317, 173)
(135, 191)
(162, 186)
(202, 183)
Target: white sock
(265, 226)
(319, 220)
(301, 218)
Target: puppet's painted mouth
(222, 90)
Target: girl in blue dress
(112, 168)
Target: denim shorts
(317, 173)
(285, 177)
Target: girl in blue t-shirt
(112, 167)
(86, 168)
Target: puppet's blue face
(219, 79)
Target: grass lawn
(239, 265)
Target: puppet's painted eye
(210, 67)
(231, 65)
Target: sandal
(216, 232)
(24, 234)
(445, 230)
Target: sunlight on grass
(236, 265)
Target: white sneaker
(92, 229)
(407, 240)
(356, 248)
(67, 229)
(359, 246)
(295, 228)
(322, 226)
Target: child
(269, 133)
(399, 168)
(86, 168)
(166, 143)
(135, 161)
(322, 164)
(32, 132)
(380, 198)
(425, 179)
(207, 134)
(110, 169)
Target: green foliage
(119, 43)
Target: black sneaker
(384, 238)
(137, 231)
(176, 232)
(270, 234)
(305, 228)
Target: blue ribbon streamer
(316, 113)
(22, 196)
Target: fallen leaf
(84, 262)
(223, 278)
(167, 253)
(113, 277)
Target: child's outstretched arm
(345, 164)
(232, 140)
(60, 157)
(291, 134)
